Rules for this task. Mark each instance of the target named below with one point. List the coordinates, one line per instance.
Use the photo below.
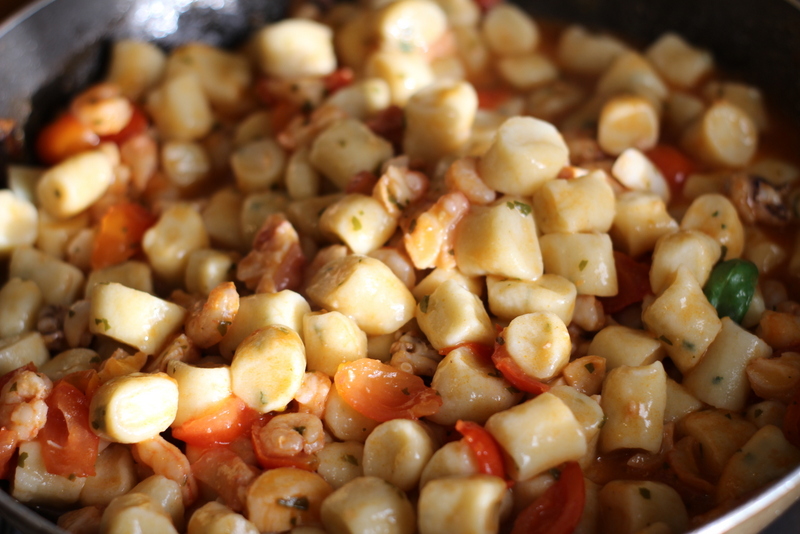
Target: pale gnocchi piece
(627, 122)
(723, 136)
(135, 66)
(19, 350)
(537, 435)
(368, 503)
(641, 219)
(115, 476)
(257, 207)
(525, 153)
(628, 506)
(20, 302)
(682, 109)
(509, 31)
(464, 505)
(538, 343)
(633, 170)
(295, 48)
(200, 388)
(719, 434)
(268, 367)
(181, 109)
(404, 73)
(177, 233)
(509, 298)
(451, 459)
(679, 62)
(715, 215)
(69, 361)
(746, 97)
(359, 221)
(438, 276)
(621, 345)
(71, 186)
(258, 164)
(583, 52)
(133, 317)
(340, 462)
(301, 178)
(630, 72)
(332, 338)
(346, 148)
(216, 518)
(458, 376)
(33, 484)
(19, 222)
(692, 249)
(221, 217)
(633, 400)
(59, 281)
(397, 452)
(410, 25)
(206, 269)
(680, 402)
(133, 274)
(527, 71)
(285, 497)
(586, 410)
(453, 315)
(165, 493)
(499, 239)
(365, 290)
(439, 119)
(585, 259)
(719, 379)
(134, 407)
(584, 204)
(362, 98)
(185, 163)
(344, 422)
(684, 320)
(135, 512)
(55, 235)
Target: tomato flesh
(120, 234)
(221, 424)
(69, 447)
(305, 461)
(633, 282)
(513, 372)
(484, 447)
(64, 137)
(559, 509)
(674, 166)
(136, 126)
(382, 392)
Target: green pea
(731, 286)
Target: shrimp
(50, 323)
(758, 201)
(290, 434)
(84, 520)
(181, 348)
(302, 130)
(429, 239)
(313, 393)
(276, 261)
(462, 175)
(103, 108)
(413, 354)
(23, 409)
(226, 473)
(167, 460)
(399, 187)
(208, 321)
(140, 154)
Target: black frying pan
(55, 47)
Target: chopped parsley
(103, 321)
(350, 459)
(356, 223)
(665, 339)
(300, 429)
(405, 391)
(21, 460)
(521, 207)
(589, 367)
(716, 380)
(423, 303)
(582, 265)
(644, 492)
(298, 503)
(555, 473)
(222, 327)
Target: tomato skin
(513, 372)
(120, 234)
(633, 281)
(69, 447)
(64, 137)
(479, 349)
(338, 79)
(791, 421)
(484, 447)
(382, 392)
(492, 99)
(559, 509)
(390, 124)
(221, 424)
(136, 126)
(305, 461)
(673, 165)
(8, 445)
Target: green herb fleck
(724, 252)
(644, 492)
(71, 313)
(496, 374)
(13, 387)
(103, 321)
(350, 459)
(405, 391)
(555, 473)
(21, 460)
(423, 303)
(666, 340)
(589, 367)
(72, 476)
(523, 208)
(307, 108)
(582, 265)
(716, 380)
(300, 429)
(298, 503)
(758, 412)
(356, 223)
(512, 390)
(222, 327)
(405, 46)
(715, 214)
(342, 143)
(412, 226)
(688, 345)
(57, 193)
(262, 398)
(500, 340)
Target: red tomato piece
(484, 447)
(8, 445)
(69, 447)
(791, 421)
(120, 234)
(266, 460)
(382, 392)
(492, 99)
(513, 372)
(221, 424)
(633, 282)
(338, 79)
(673, 165)
(87, 381)
(362, 182)
(64, 137)
(389, 124)
(136, 126)
(481, 350)
(559, 509)
(486, 5)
